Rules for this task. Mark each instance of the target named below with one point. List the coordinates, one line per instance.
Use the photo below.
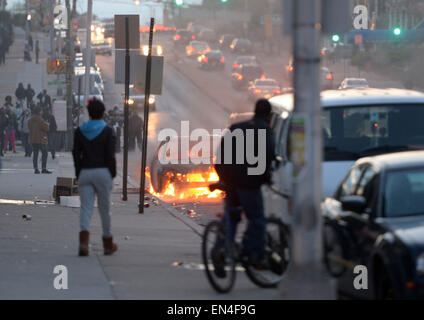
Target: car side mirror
(355, 204)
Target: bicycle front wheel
(218, 255)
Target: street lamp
(397, 31)
(179, 2)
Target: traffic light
(397, 31)
(179, 2)
(56, 66)
(224, 1)
(335, 38)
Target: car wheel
(384, 289)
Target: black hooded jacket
(236, 175)
(96, 153)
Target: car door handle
(278, 192)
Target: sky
(101, 8)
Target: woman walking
(95, 168)
(11, 126)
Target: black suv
(183, 37)
(245, 74)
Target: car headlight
(420, 265)
(146, 50)
(159, 51)
(152, 100)
(131, 102)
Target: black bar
(146, 119)
(127, 97)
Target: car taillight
(205, 59)
(235, 66)
(257, 91)
(239, 77)
(329, 77)
(277, 91)
(177, 37)
(193, 37)
(291, 68)
(263, 77)
(222, 60)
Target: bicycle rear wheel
(218, 253)
(277, 253)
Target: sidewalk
(17, 70)
(159, 253)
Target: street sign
(358, 39)
(120, 65)
(55, 66)
(134, 31)
(156, 75)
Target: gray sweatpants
(93, 182)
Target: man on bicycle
(243, 189)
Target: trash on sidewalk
(65, 187)
(26, 217)
(72, 201)
(127, 238)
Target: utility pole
(305, 278)
(87, 86)
(52, 35)
(69, 71)
(27, 20)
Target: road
(204, 98)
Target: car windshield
(199, 45)
(214, 55)
(266, 83)
(95, 91)
(244, 60)
(357, 83)
(354, 132)
(404, 193)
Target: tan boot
(83, 243)
(108, 246)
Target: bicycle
(221, 269)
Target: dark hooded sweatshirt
(94, 147)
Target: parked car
(212, 60)
(354, 83)
(225, 41)
(355, 124)
(376, 219)
(241, 46)
(265, 89)
(240, 60)
(245, 74)
(197, 48)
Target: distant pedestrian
(27, 54)
(20, 93)
(45, 100)
(29, 93)
(30, 43)
(135, 126)
(52, 134)
(38, 129)
(8, 102)
(3, 50)
(11, 127)
(23, 128)
(3, 126)
(37, 51)
(95, 168)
